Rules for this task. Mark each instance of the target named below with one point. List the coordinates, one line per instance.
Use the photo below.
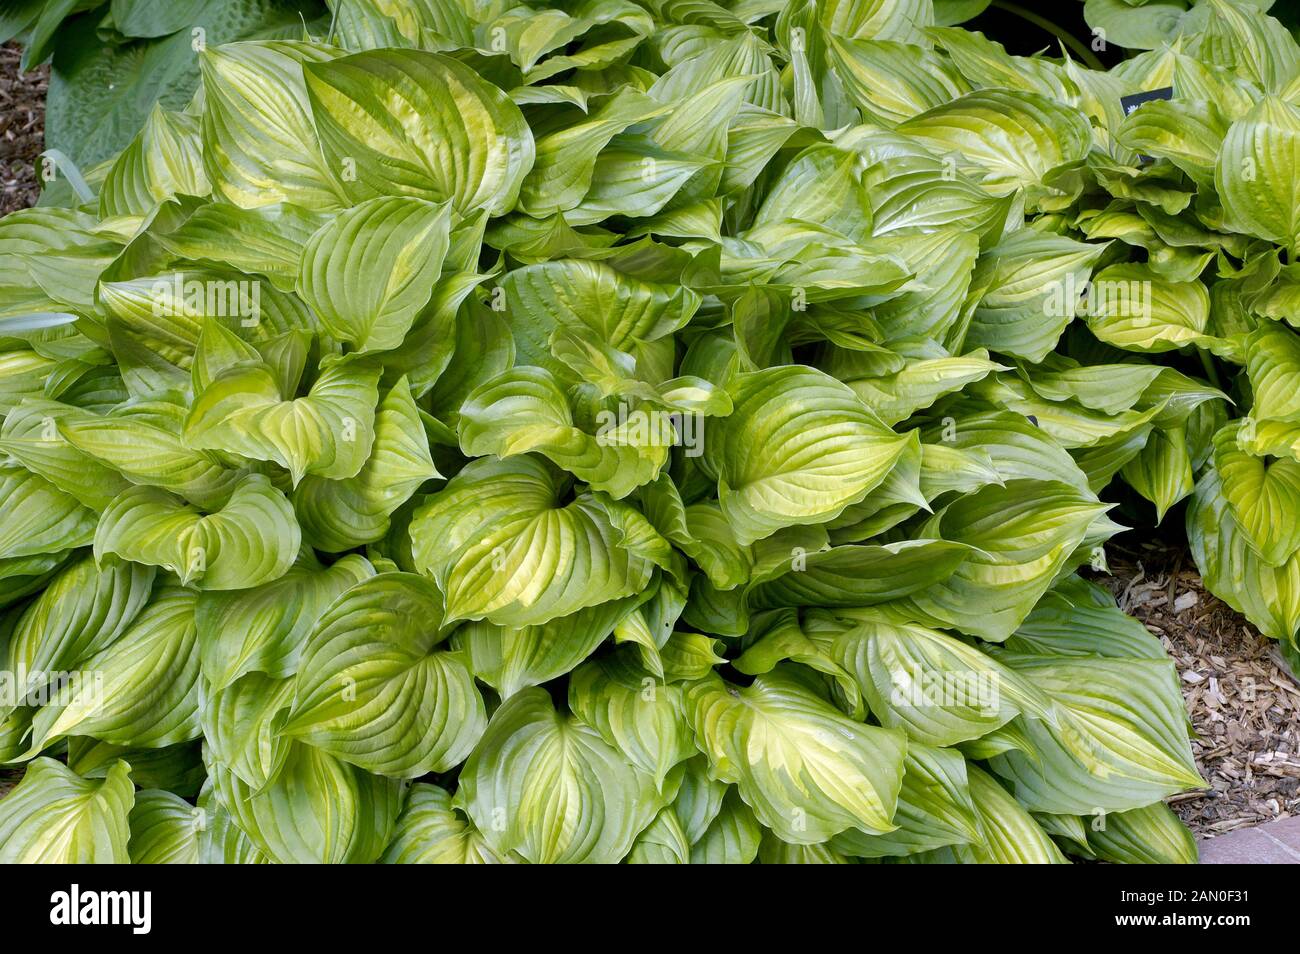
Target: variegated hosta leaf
(1152, 835)
(641, 717)
(141, 690)
(30, 434)
(1032, 283)
(84, 609)
(164, 830)
(372, 690)
(1022, 139)
(328, 433)
(263, 629)
(731, 838)
(662, 843)
(934, 687)
(164, 159)
(550, 789)
(241, 726)
(1268, 596)
(317, 809)
(524, 410)
(1023, 534)
(1078, 618)
(935, 809)
(1264, 497)
(36, 517)
(56, 817)
(592, 300)
(456, 137)
(368, 271)
(501, 546)
(259, 137)
(807, 771)
(337, 515)
(252, 540)
(510, 658)
(1254, 176)
(1122, 741)
(143, 442)
(431, 831)
(798, 448)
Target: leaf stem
(1211, 372)
(1060, 33)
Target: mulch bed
(22, 129)
(1244, 706)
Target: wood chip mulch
(22, 129)
(1244, 704)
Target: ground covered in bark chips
(1244, 706)
(22, 129)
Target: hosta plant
(652, 432)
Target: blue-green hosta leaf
(56, 817)
(337, 515)
(935, 809)
(328, 433)
(807, 771)
(936, 688)
(260, 144)
(1122, 741)
(1152, 835)
(634, 712)
(502, 547)
(164, 829)
(1033, 280)
(431, 831)
(549, 788)
(798, 448)
(455, 137)
(1268, 596)
(524, 410)
(36, 517)
(317, 810)
(85, 608)
(263, 629)
(372, 690)
(144, 687)
(252, 540)
(369, 271)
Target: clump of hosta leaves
(633, 432)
